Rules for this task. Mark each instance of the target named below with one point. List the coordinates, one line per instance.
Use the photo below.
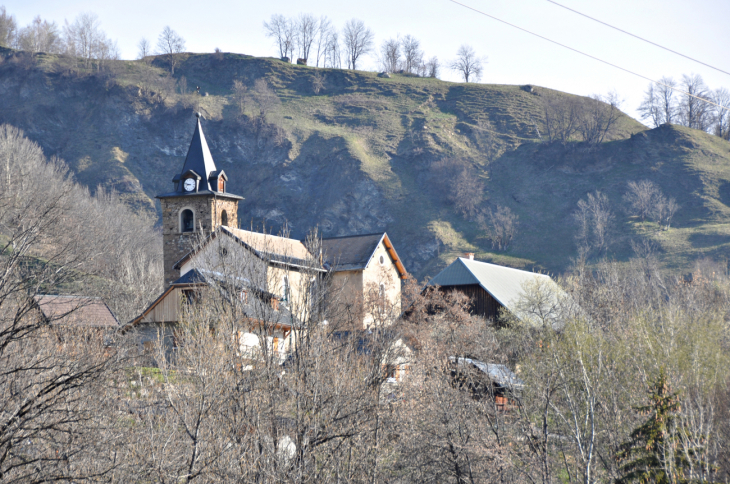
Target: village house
(75, 319)
(280, 277)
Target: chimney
(469, 255)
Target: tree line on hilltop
(316, 41)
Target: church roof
(275, 249)
(199, 165)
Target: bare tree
(240, 95)
(390, 55)
(598, 118)
(594, 219)
(332, 52)
(317, 82)
(144, 49)
(170, 45)
(468, 64)
(433, 67)
(82, 37)
(664, 211)
(357, 40)
(461, 186)
(721, 113)
(642, 197)
(40, 36)
(52, 387)
(694, 112)
(561, 116)
(323, 30)
(8, 28)
(645, 199)
(265, 97)
(306, 32)
(486, 139)
(500, 227)
(282, 31)
(659, 104)
(412, 54)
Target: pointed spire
(199, 158)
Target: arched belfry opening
(224, 218)
(187, 221)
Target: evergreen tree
(653, 453)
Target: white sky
(698, 29)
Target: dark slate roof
(352, 252)
(200, 162)
(190, 277)
(199, 158)
(77, 311)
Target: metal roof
(499, 374)
(505, 284)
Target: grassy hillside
(357, 156)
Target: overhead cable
(592, 56)
(640, 38)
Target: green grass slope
(356, 157)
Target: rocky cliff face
(355, 158)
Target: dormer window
(187, 221)
(221, 184)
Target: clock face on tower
(189, 185)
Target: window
(187, 221)
(224, 218)
(223, 252)
(285, 289)
(190, 296)
(221, 185)
(381, 296)
(382, 260)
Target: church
(278, 278)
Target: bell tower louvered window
(187, 221)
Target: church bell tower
(197, 206)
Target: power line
(640, 38)
(591, 56)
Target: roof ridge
(354, 235)
(265, 234)
(69, 296)
(464, 259)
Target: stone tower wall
(176, 244)
(231, 208)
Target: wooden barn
(492, 287)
